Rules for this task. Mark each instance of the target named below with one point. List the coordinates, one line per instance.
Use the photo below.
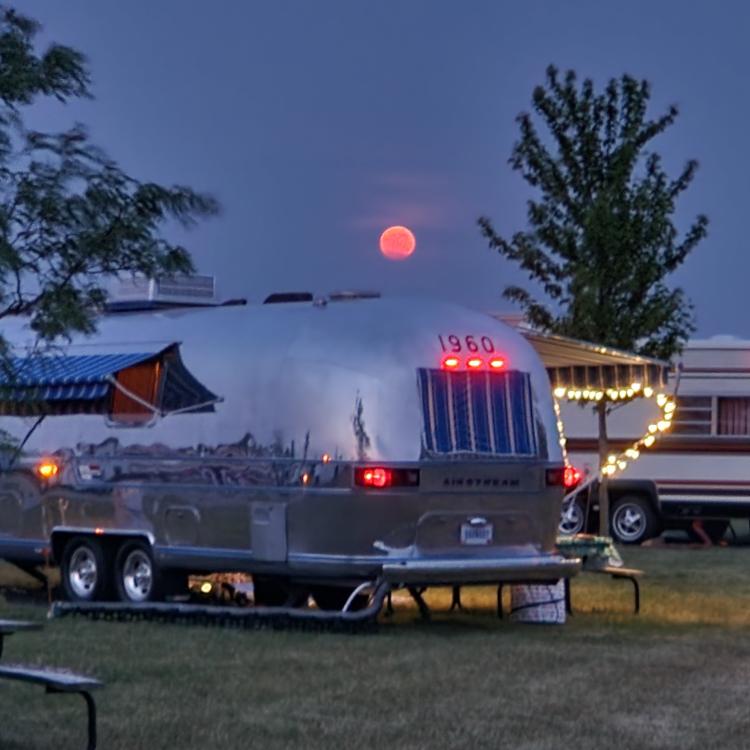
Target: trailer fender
(109, 538)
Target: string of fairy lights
(619, 461)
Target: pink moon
(397, 243)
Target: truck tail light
(571, 477)
(563, 476)
(380, 477)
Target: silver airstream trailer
(316, 444)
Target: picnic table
(54, 681)
(598, 555)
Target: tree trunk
(601, 409)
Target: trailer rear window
(484, 413)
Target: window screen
(486, 413)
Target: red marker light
(474, 362)
(496, 363)
(450, 363)
(376, 478)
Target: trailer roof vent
(278, 298)
(142, 292)
(347, 296)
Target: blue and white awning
(64, 378)
(84, 384)
(479, 413)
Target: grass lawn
(674, 677)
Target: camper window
(734, 416)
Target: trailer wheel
(333, 598)
(84, 570)
(633, 520)
(137, 578)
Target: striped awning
(478, 413)
(64, 378)
(573, 363)
(84, 384)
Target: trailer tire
(137, 578)
(85, 570)
(633, 520)
(333, 598)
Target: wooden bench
(627, 574)
(55, 681)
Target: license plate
(471, 534)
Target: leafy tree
(601, 239)
(70, 217)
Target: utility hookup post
(601, 409)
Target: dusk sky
(319, 124)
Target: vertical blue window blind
(487, 413)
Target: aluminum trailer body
(310, 444)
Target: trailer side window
(477, 413)
(733, 416)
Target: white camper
(697, 476)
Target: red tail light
(378, 477)
(496, 363)
(474, 362)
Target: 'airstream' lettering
(481, 482)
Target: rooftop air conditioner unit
(169, 290)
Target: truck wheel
(137, 578)
(633, 520)
(572, 518)
(333, 598)
(84, 570)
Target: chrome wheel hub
(82, 573)
(629, 522)
(137, 576)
